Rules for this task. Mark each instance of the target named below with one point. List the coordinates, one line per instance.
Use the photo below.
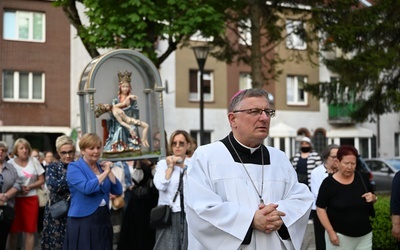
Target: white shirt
(28, 174)
(221, 200)
(318, 174)
(167, 188)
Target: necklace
(259, 193)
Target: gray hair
(63, 140)
(243, 94)
(3, 144)
(327, 151)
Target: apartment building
(55, 61)
(35, 69)
(298, 113)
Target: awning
(350, 132)
(282, 130)
(35, 129)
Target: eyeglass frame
(181, 144)
(69, 153)
(254, 111)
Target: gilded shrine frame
(99, 83)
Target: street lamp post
(201, 53)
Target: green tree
(369, 67)
(265, 21)
(141, 24)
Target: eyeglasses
(64, 153)
(178, 143)
(254, 112)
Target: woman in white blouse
(168, 180)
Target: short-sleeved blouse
(347, 211)
(28, 174)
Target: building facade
(35, 68)
(52, 64)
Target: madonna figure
(121, 139)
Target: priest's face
(250, 121)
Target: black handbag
(7, 212)
(59, 209)
(160, 216)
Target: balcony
(340, 113)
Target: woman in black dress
(136, 232)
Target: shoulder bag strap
(179, 187)
(362, 181)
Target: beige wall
(185, 62)
(293, 66)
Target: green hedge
(382, 225)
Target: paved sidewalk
(309, 242)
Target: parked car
(383, 171)
(363, 168)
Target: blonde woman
(90, 182)
(56, 181)
(30, 176)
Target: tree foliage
(369, 67)
(265, 21)
(141, 24)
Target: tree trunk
(255, 63)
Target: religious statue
(123, 126)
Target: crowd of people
(235, 193)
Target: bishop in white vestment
(221, 199)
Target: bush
(382, 225)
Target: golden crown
(124, 76)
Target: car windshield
(395, 163)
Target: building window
(319, 140)
(245, 81)
(294, 39)
(194, 87)
(23, 86)
(244, 27)
(374, 151)
(363, 148)
(396, 144)
(195, 134)
(24, 26)
(295, 93)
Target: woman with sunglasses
(168, 180)
(56, 181)
(9, 187)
